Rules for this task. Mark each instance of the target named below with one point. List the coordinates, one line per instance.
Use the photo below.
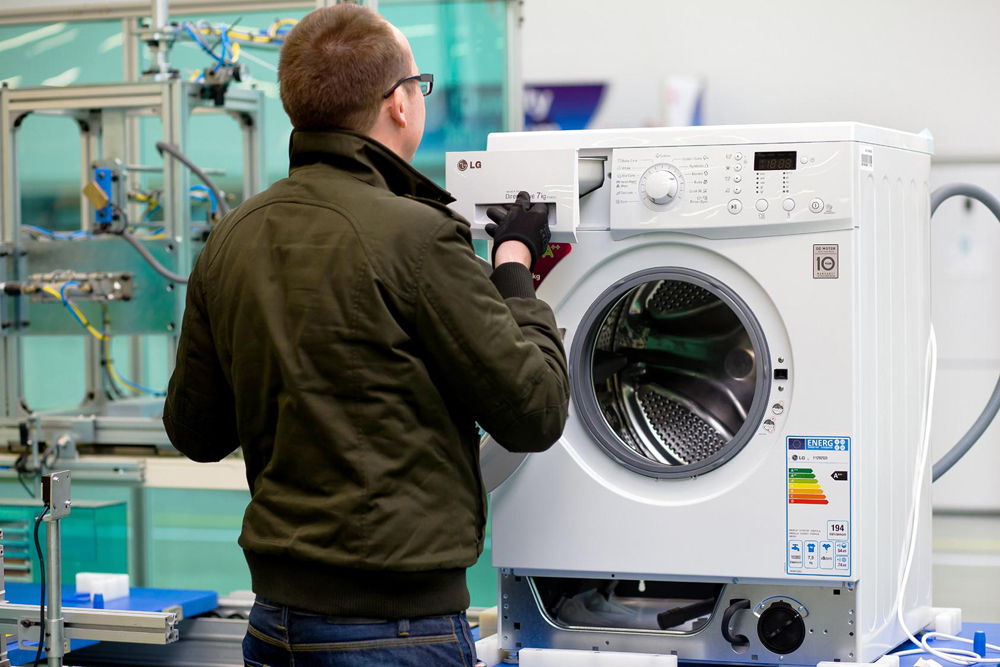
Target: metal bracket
(27, 635)
(56, 494)
(96, 286)
(84, 428)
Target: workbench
(185, 603)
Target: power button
(816, 205)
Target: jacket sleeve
(496, 345)
(200, 411)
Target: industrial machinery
(47, 628)
(744, 474)
(89, 281)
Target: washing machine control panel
(734, 190)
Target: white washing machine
(747, 319)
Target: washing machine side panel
(574, 509)
(893, 263)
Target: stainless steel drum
(670, 372)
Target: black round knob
(781, 629)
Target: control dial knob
(660, 186)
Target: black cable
(21, 468)
(41, 606)
(163, 146)
(106, 377)
(25, 486)
(142, 250)
(152, 261)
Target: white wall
(907, 64)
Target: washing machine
(746, 314)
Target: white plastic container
(111, 586)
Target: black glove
(520, 221)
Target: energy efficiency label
(818, 514)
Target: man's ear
(397, 107)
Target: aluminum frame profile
(112, 625)
(174, 102)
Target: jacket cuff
(513, 280)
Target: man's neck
(389, 139)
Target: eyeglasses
(426, 82)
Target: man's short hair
(336, 65)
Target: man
(340, 330)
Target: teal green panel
(98, 492)
(482, 580)
(482, 577)
(54, 374)
(56, 54)
(155, 352)
(62, 53)
(192, 539)
(464, 45)
(94, 539)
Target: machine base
(826, 615)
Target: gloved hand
(520, 221)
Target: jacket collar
(364, 159)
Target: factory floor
(967, 565)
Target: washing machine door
(670, 372)
(497, 463)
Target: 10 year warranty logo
(826, 262)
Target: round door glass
(673, 369)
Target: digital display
(774, 161)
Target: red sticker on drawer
(552, 256)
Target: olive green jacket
(340, 330)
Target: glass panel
(463, 44)
(59, 54)
(674, 372)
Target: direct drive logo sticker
(826, 262)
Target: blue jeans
(281, 637)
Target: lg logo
(463, 165)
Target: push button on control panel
(816, 205)
(761, 205)
(735, 206)
(788, 204)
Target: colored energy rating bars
(804, 489)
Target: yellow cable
(96, 334)
(272, 31)
(236, 51)
(111, 367)
(93, 332)
(194, 77)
